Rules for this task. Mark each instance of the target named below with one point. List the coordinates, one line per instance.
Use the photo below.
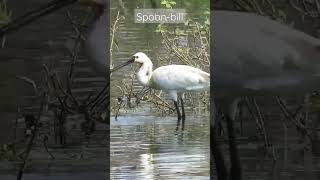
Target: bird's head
(139, 57)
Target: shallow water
(144, 144)
(47, 41)
(148, 147)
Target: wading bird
(254, 55)
(173, 79)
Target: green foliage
(168, 3)
(161, 29)
(189, 43)
(184, 43)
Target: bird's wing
(258, 49)
(180, 78)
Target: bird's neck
(144, 74)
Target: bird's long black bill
(34, 15)
(122, 65)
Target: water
(144, 144)
(295, 158)
(47, 41)
(147, 147)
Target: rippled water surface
(148, 147)
(144, 144)
(46, 41)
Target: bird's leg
(235, 171)
(217, 119)
(183, 113)
(178, 113)
(261, 122)
(216, 152)
(241, 116)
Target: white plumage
(254, 55)
(180, 78)
(173, 79)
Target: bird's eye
(136, 57)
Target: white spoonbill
(173, 79)
(254, 55)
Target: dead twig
(31, 140)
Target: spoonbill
(254, 55)
(173, 79)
